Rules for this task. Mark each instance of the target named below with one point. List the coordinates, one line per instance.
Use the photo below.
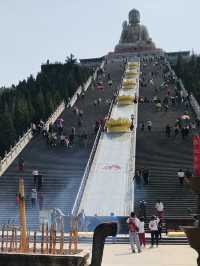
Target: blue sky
(33, 31)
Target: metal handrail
(86, 174)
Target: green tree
(7, 132)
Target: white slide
(108, 187)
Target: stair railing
(194, 103)
(24, 140)
(86, 174)
(10, 156)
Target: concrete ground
(172, 255)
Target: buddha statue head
(134, 17)
(134, 35)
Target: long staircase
(62, 168)
(162, 156)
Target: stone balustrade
(25, 139)
(194, 103)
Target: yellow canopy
(118, 125)
(125, 100)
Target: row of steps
(163, 156)
(62, 168)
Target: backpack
(132, 226)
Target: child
(142, 232)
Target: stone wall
(43, 260)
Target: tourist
(132, 125)
(141, 99)
(34, 128)
(149, 125)
(145, 174)
(176, 131)
(66, 142)
(168, 130)
(183, 133)
(81, 113)
(153, 226)
(51, 128)
(84, 138)
(141, 232)
(96, 127)
(71, 139)
(166, 107)
(133, 227)
(160, 209)
(53, 139)
(33, 197)
(99, 101)
(80, 122)
(142, 126)
(59, 124)
(137, 178)
(110, 83)
(40, 125)
(142, 209)
(35, 174)
(181, 175)
(62, 139)
(73, 131)
(158, 107)
(20, 165)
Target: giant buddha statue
(134, 36)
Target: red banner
(196, 154)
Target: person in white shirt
(181, 175)
(133, 226)
(35, 174)
(141, 232)
(149, 125)
(160, 209)
(153, 226)
(33, 197)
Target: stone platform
(165, 255)
(20, 259)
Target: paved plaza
(165, 255)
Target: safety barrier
(85, 176)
